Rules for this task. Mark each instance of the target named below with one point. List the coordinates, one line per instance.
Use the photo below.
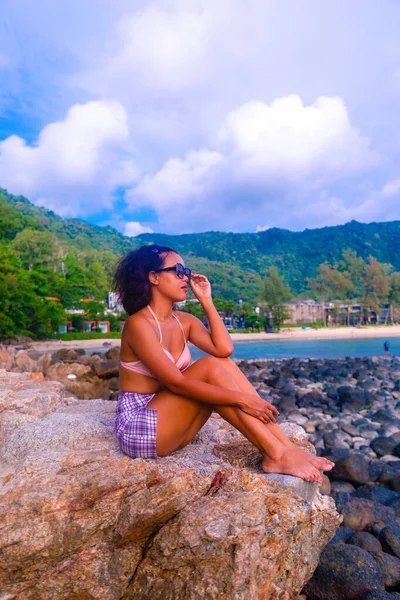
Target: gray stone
(390, 539)
(366, 541)
(304, 489)
(382, 445)
(390, 569)
(345, 572)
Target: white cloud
(263, 152)
(178, 180)
(76, 164)
(262, 228)
(391, 188)
(225, 77)
(133, 228)
(290, 140)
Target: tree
(36, 249)
(330, 285)
(394, 294)
(193, 308)
(226, 306)
(275, 293)
(375, 283)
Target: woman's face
(168, 282)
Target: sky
(182, 116)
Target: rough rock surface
(80, 520)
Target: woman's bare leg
(245, 385)
(190, 416)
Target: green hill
(71, 259)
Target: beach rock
(352, 468)
(382, 445)
(390, 539)
(390, 569)
(359, 513)
(350, 429)
(366, 541)
(342, 486)
(106, 368)
(82, 520)
(60, 371)
(375, 468)
(90, 387)
(23, 363)
(7, 356)
(344, 572)
(390, 474)
(353, 398)
(67, 354)
(337, 439)
(395, 505)
(378, 493)
(381, 595)
(113, 353)
(342, 535)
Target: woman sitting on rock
(167, 398)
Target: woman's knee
(213, 367)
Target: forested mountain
(295, 254)
(43, 254)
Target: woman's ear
(154, 278)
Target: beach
(327, 333)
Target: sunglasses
(180, 271)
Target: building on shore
(303, 312)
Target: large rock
(7, 357)
(390, 569)
(82, 520)
(383, 445)
(352, 468)
(106, 368)
(390, 539)
(359, 514)
(345, 572)
(79, 380)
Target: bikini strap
(180, 325)
(158, 324)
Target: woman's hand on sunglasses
(201, 286)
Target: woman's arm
(217, 341)
(145, 343)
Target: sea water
(335, 348)
(310, 348)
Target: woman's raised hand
(201, 286)
(259, 408)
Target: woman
(166, 399)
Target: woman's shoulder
(138, 318)
(183, 316)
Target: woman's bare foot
(319, 462)
(293, 463)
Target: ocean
(335, 348)
(310, 348)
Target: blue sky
(198, 115)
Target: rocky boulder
(82, 520)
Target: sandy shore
(287, 334)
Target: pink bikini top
(182, 363)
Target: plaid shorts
(136, 425)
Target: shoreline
(345, 333)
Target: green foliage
(43, 254)
(275, 293)
(92, 335)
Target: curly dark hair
(131, 279)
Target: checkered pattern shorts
(136, 425)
